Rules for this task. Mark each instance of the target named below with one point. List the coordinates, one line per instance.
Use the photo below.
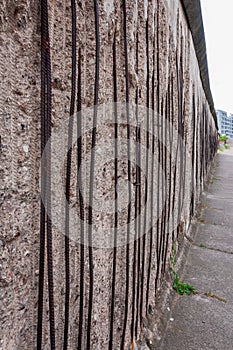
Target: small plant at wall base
(223, 138)
(181, 287)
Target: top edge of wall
(193, 13)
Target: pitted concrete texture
(164, 74)
(199, 321)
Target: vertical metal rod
(138, 195)
(81, 202)
(129, 172)
(92, 171)
(116, 196)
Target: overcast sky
(218, 24)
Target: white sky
(218, 25)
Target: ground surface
(202, 321)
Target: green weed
(182, 288)
(223, 138)
(203, 246)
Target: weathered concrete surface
(200, 321)
(177, 93)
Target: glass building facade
(225, 123)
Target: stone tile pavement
(204, 321)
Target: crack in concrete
(210, 295)
(207, 247)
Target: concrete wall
(173, 140)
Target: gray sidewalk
(201, 322)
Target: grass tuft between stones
(183, 288)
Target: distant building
(225, 123)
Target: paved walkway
(201, 322)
